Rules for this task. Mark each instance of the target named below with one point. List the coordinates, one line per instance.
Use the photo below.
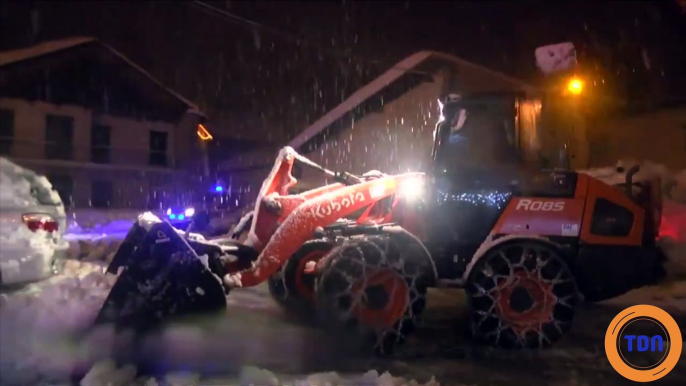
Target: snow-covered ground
(45, 336)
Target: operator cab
(477, 170)
(475, 134)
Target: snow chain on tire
(283, 285)
(522, 295)
(349, 264)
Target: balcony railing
(50, 152)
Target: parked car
(32, 226)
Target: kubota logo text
(643, 343)
(541, 206)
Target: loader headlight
(412, 189)
(189, 212)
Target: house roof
(401, 68)
(53, 46)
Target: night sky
(260, 84)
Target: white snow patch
(93, 249)
(25, 255)
(37, 322)
(22, 188)
(233, 280)
(107, 373)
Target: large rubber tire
(522, 295)
(373, 289)
(290, 286)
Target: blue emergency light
(187, 213)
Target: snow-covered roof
(53, 46)
(401, 68)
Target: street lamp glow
(575, 86)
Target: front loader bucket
(163, 277)
(125, 252)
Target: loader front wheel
(371, 288)
(522, 295)
(293, 286)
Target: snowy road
(42, 337)
(35, 321)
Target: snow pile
(106, 372)
(97, 222)
(15, 191)
(37, 324)
(93, 249)
(673, 184)
(21, 187)
(25, 255)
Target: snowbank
(93, 248)
(46, 339)
(37, 324)
(106, 372)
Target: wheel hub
(520, 300)
(380, 298)
(376, 297)
(524, 301)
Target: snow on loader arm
(166, 273)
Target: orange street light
(203, 133)
(575, 86)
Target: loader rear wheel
(375, 289)
(522, 295)
(292, 287)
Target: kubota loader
(527, 246)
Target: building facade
(658, 136)
(388, 124)
(104, 131)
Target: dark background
(258, 84)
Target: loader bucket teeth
(163, 278)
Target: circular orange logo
(643, 343)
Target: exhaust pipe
(629, 181)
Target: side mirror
(556, 58)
